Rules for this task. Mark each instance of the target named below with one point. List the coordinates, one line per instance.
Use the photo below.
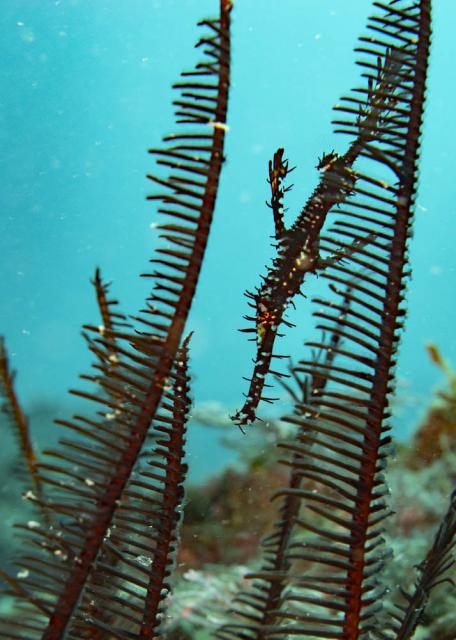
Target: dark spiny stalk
(392, 314)
(71, 592)
(275, 572)
(173, 492)
(18, 420)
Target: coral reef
(437, 432)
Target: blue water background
(85, 90)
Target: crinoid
(99, 553)
(113, 512)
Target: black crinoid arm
(323, 561)
(114, 490)
(349, 189)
